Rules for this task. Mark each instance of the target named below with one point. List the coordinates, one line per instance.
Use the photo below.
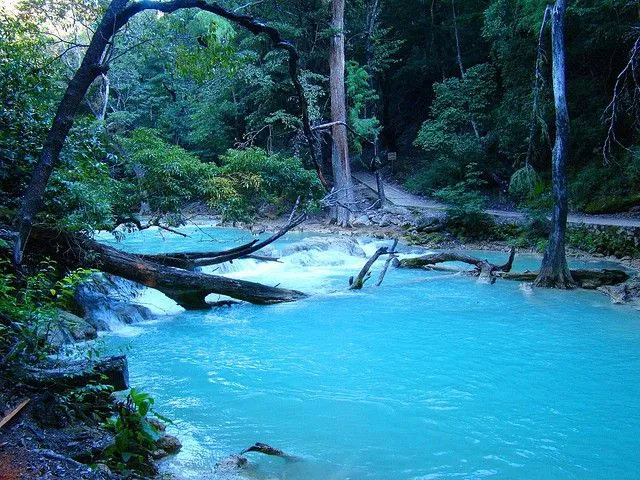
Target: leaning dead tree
(95, 63)
(358, 282)
(484, 269)
(625, 91)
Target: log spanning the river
(587, 279)
(187, 288)
(483, 268)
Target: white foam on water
(157, 302)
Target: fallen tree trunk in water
(190, 260)
(587, 279)
(365, 274)
(483, 268)
(187, 288)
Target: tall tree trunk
(340, 149)
(94, 64)
(90, 68)
(554, 271)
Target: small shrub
(525, 184)
(607, 241)
(466, 217)
(135, 437)
(29, 310)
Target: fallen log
(190, 260)
(587, 279)
(113, 371)
(187, 288)
(483, 268)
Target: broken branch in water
(365, 274)
(483, 268)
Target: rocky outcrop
(113, 371)
(625, 293)
(106, 299)
(68, 328)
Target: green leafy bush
(29, 309)
(162, 175)
(450, 136)
(525, 184)
(605, 241)
(135, 436)
(251, 178)
(466, 217)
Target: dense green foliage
(30, 310)
(200, 110)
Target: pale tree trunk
(554, 271)
(340, 163)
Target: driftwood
(191, 260)
(14, 412)
(483, 268)
(237, 460)
(392, 256)
(269, 450)
(587, 279)
(358, 282)
(112, 371)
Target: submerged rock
(106, 299)
(169, 444)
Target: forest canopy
(201, 110)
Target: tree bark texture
(340, 148)
(554, 271)
(95, 64)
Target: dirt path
(398, 196)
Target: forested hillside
(196, 108)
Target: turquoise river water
(429, 376)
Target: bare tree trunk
(340, 149)
(554, 271)
(94, 64)
(463, 72)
